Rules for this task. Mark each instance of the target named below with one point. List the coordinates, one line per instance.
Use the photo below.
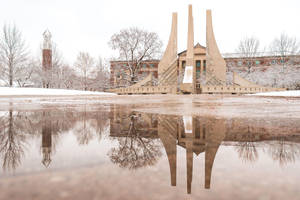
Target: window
(198, 74)
(240, 63)
(198, 63)
(281, 61)
(144, 66)
(257, 62)
(152, 65)
(273, 62)
(204, 64)
(183, 64)
(248, 63)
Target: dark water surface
(122, 154)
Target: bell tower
(47, 58)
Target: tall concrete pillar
(170, 55)
(215, 64)
(189, 79)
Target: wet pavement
(129, 151)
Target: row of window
(258, 62)
(151, 65)
(144, 65)
(198, 63)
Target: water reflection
(140, 139)
(46, 139)
(199, 135)
(17, 128)
(137, 140)
(12, 141)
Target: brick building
(234, 62)
(119, 72)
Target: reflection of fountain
(196, 138)
(137, 134)
(191, 133)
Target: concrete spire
(170, 54)
(189, 79)
(215, 64)
(190, 39)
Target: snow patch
(290, 93)
(7, 91)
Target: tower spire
(47, 39)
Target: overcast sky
(87, 25)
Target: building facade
(120, 74)
(234, 62)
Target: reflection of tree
(18, 127)
(83, 130)
(247, 151)
(135, 151)
(12, 143)
(284, 152)
(101, 123)
(246, 148)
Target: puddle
(150, 155)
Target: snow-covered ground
(7, 91)
(290, 93)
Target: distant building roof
(196, 46)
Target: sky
(87, 25)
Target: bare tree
(66, 77)
(135, 45)
(285, 45)
(248, 47)
(26, 73)
(13, 52)
(85, 65)
(101, 79)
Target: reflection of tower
(46, 139)
(47, 58)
